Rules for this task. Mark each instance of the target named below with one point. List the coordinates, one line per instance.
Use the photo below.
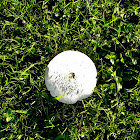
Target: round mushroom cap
(72, 76)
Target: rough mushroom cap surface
(72, 74)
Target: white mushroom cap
(72, 74)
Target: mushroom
(71, 75)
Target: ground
(33, 32)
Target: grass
(33, 32)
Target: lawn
(32, 32)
